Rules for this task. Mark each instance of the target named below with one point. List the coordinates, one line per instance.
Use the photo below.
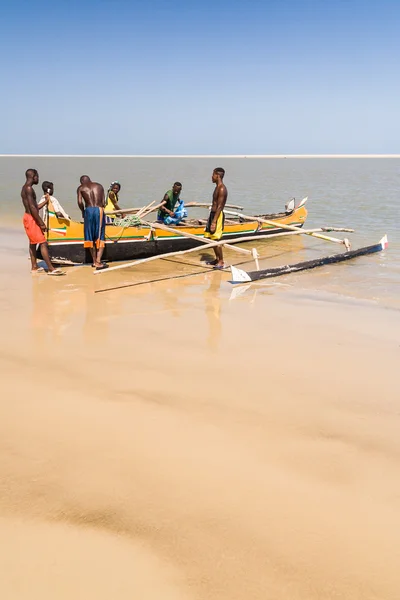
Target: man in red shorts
(34, 225)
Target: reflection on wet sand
(53, 309)
(68, 306)
(192, 444)
(212, 306)
(99, 314)
(165, 294)
(240, 291)
(72, 307)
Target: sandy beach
(172, 441)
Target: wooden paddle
(205, 205)
(188, 205)
(192, 236)
(211, 245)
(145, 208)
(147, 212)
(290, 228)
(123, 210)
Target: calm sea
(362, 193)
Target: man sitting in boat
(112, 201)
(48, 189)
(174, 209)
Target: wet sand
(169, 441)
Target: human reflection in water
(164, 293)
(103, 314)
(70, 309)
(212, 303)
(54, 308)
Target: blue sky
(211, 77)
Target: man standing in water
(34, 225)
(91, 203)
(215, 225)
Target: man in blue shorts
(91, 203)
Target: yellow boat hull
(65, 238)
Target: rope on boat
(128, 221)
(124, 222)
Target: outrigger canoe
(240, 276)
(65, 238)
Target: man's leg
(101, 242)
(98, 245)
(99, 255)
(93, 253)
(33, 255)
(219, 255)
(44, 250)
(219, 258)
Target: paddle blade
(239, 276)
(289, 207)
(384, 242)
(302, 203)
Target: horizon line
(282, 156)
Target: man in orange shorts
(34, 225)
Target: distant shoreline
(282, 156)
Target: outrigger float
(240, 276)
(65, 238)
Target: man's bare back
(93, 194)
(90, 193)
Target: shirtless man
(91, 203)
(215, 225)
(34, 225)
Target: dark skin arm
(218, 206)
(164, 209)
(44, 202)
(33, 209)
(80, 201)
(113, 199)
